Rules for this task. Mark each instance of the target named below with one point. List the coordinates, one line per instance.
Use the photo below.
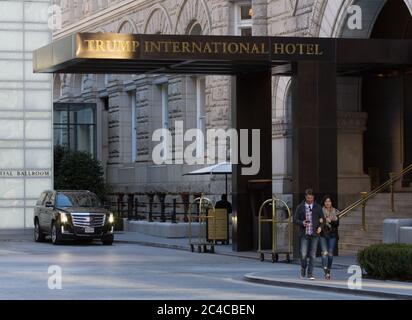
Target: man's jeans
(308, 244)
(327, 246)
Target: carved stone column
(282, 156)
(351, 176)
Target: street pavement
(132, 271)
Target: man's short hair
(309, 192)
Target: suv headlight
(63, 217)
(111, 218)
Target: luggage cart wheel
(199, 249)
(288, 258)
(275, 257)
(262, 257)
(192, 248)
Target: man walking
(308, 216)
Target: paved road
(130, 271)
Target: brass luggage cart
(206, 216)
(274, 221)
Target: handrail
(365, 196)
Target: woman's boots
(327, 273)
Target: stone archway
(158, 21)
(126, 26)
(190, 11)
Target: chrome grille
(88, 220)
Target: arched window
(195, 29)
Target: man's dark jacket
(300, 216)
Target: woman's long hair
(326, 197)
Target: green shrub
(77, 170)
(387, 261)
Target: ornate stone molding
(293, 4)
(353, 122)
(193, 10)
(158, 21)
(281, 128)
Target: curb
(279, 283)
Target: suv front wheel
(38, 233)
(108, 241)
(56, 235)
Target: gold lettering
(196, 47)
(318, 51)
(310, 49)
(207, 48)
(300, 46)
(279, 48)
(152, 46)
(233, 48)
(111, 45)
(185, 47)
(124, 46)
(216, 46)
(99, 45)
(136, 44)
(290, 49)
(90, 45)
(224, 47)
(263, 49)
(245, 47)
(176, 47)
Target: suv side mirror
(49, 204)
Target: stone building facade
(130, 108)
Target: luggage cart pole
(274, 222)
(204, 205)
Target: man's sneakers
(303, 274)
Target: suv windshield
(77, 199)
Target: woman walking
(329, 234)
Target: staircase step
(352, 238)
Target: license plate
(88, 230)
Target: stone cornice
(98, 18)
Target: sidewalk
(183, 244)
(339, 284)
(288, 274)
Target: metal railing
(365, 196)
(151, 211)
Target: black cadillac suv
(70, 215)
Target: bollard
(174, 211)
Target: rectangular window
(243, 18)
(75, 126)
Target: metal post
(363, 196)
(162, 207)
(136, 206)
(130, 202)
(392, 187)
(174, 211)
(151, 197)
